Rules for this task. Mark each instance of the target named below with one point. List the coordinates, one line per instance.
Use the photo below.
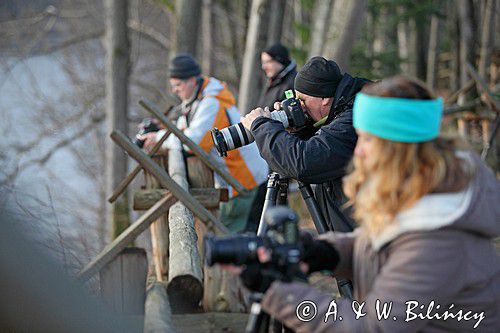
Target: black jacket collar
(344, 95)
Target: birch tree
(117, 73)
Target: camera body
(147, 125)
(281, 240)
(291, 115)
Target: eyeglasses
(178, 84)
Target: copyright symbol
(306, 311)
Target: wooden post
(123, 282)
(158, 314)
(185, 287)
(159, 230)
(208, 197)
(222, 290)
(463, 127)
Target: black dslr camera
(236, 136)
(281, 240)
(147, 125)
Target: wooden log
(158, 315)
(167, 182)
(126, 237)
(185, 287)
(123, 282)
(207, 159)
(208, 197)
(222, 292)
(467, 106)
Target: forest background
(61, 92)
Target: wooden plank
(210, 322)
(110, 278)
(135, 271)
(208, 197)
(454, 97)
(158, 315)
(124, 183)
(200, 153)
(126, 237)
(159, 230)
(167, 182)
(123, 282)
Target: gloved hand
(256, 277)
(319, 255)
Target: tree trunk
(487, 34)
(432, 55)
(207, 40)
(117, 74)
(403, 43)
(277, 12)
(338, 13)
(251, 76)
(349, 32)
(455, 46)
(466, 39)
(187, 14)
(322, 11)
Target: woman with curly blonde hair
(423, 257)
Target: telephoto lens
(236, 250)
(236, 136)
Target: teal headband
(398, 119)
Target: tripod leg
(258, 321)
(312, 206)
(345, 288)
(269, 201)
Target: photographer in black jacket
(280, 72)
(327, 97)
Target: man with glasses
(208, 103)
(327, 98)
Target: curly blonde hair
(398, 174)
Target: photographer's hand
(254, 114)
(318, 255)
(149, 139)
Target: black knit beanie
(183, 66)
(279, 53)
(319, 78)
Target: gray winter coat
(436, 264)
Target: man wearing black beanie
(326, 96)
(280, 72)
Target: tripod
(277, 192)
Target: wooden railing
(175, 212)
